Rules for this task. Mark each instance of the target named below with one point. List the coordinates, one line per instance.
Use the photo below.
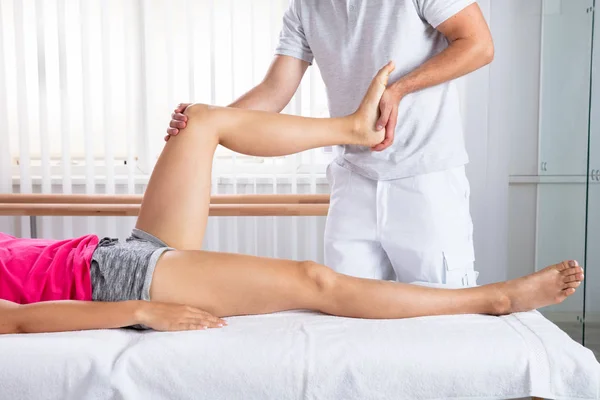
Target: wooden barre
(123, 210)
(137, 199)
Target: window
(90, 84)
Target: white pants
(416, 229)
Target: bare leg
(230, 284)
(175, 206)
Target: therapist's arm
(470, 48)
(272, 94)
(61, 316)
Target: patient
(158, 279)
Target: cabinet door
(561, 236)
(565, 86)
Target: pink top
(33, 270)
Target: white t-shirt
(350, 41)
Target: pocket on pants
(459, 268)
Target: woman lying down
(156, 279)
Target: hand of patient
(175, 317)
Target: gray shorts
(123, 271)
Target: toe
(568, 291)
(572, 278)
(567, 265)
(572, 271)
(572, 285)
(563, 266)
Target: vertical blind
(88, 85)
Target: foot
(552, 285)
(367, 114)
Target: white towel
(302, 355)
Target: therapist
(401, 209)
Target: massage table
(292, 355)
(306, 355)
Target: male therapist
(401, 209)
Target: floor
(592, 335)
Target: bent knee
(197, 110)
(199, 120)
(322, 278)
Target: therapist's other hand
(388, 107)
(178, 121)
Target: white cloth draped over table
(303, 355)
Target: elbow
(486, 52)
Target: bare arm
(470, 48)
(61, 316)
(272, 94)
(277, 88)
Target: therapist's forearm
(462, 57)
(263, 97)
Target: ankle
(501, 303)
(357, 129)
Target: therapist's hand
(388, 107)
(178, 121)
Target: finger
(214, 319)
(192, 326)
(390, 129)
(204, 322)
(207, 316)
(384, 117)
(177, 124)
(179, 117)
(212, 324)
(181, 107)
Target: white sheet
(301, 355)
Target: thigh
(352, 244)
(428, 235)
(175, 205)
(233, 284)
